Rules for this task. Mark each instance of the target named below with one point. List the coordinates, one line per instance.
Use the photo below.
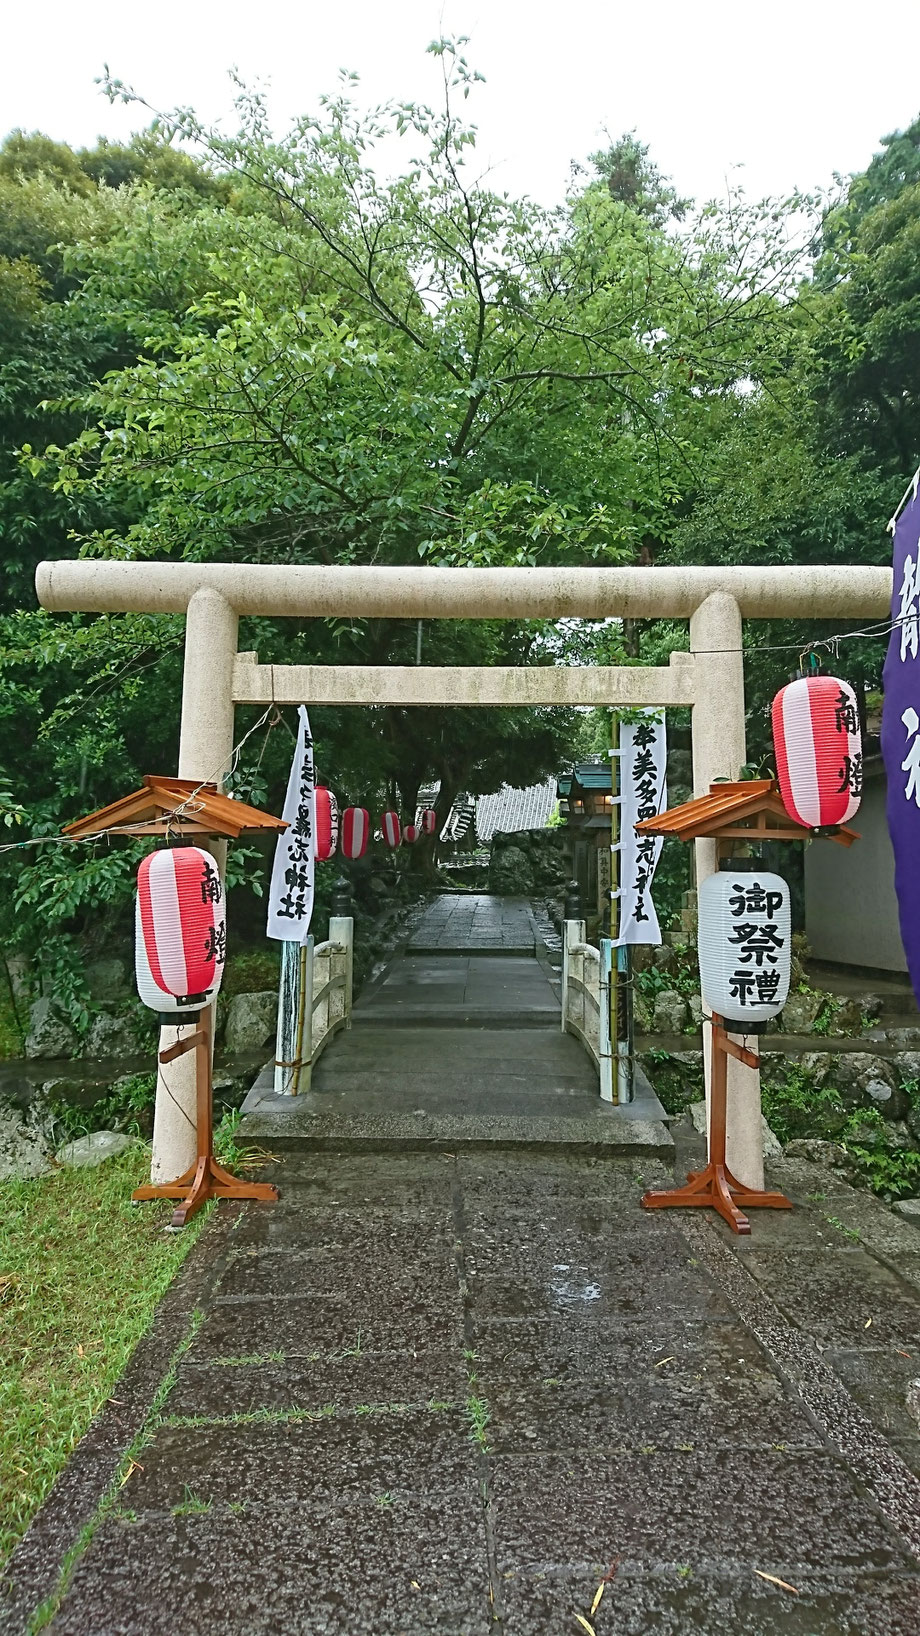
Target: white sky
(791, 91)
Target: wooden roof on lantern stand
(174, 807)
(749, 811)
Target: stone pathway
(457, 1382)
(465, 1394)
(475, 923)
(453, 1047)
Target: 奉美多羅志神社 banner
(643, 765)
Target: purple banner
(901, 731)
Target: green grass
(80, 1274)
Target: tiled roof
(511, 810)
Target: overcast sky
(790, 92)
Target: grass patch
(80, 1274)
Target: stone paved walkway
(465, 1395)
(476, 923)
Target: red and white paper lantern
(818, 750)
(429, 821)
(326, 810)
(355, 832)
(392, 829)
(180, 929)
(410, 834)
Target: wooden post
(205, 1178)
(715, 1186)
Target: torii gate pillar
(719, 752)
(205, 748)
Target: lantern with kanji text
(745, 944)
(818, 750)
(180, 930)
(392, 829)
(355, 832)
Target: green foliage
(289, 349)
(677, 1084)
(127, 1107)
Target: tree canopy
(290, 349)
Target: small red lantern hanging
(181, 931)
(410, 834)
(392, 830)
(355, 832)
(429, 821)
(327, 823)
(818, 750)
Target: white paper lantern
(745, 944)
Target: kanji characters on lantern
(745, 944)
(180, 929)
(818, 750)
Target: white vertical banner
(290, 897)
(643, 794)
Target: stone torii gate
(710, 679)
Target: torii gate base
(715, 1186)
(205, 1179)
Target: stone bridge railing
(314, 1002)
(586, 1008)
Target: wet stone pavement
(463, 1394)
(475, 922)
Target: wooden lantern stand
(205, 1179)
(716, 1187)
(749, 811)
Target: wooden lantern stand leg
(205, 1179)
(716, 1187)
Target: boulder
(511, 873)
(251, 1021)
(856, 1013)
(817, 1152)
(866, 1081)
(799, 1013)
(671, 1012)
(912, 1395)
(93, 1149)
(25, 1142)
(906, 1065)
(664, 958)
(818, 1065)
(909, 1208)
(119, 1035)
(50, 1034)
(107, 979)
(695, 1005)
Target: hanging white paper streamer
(290, 897)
